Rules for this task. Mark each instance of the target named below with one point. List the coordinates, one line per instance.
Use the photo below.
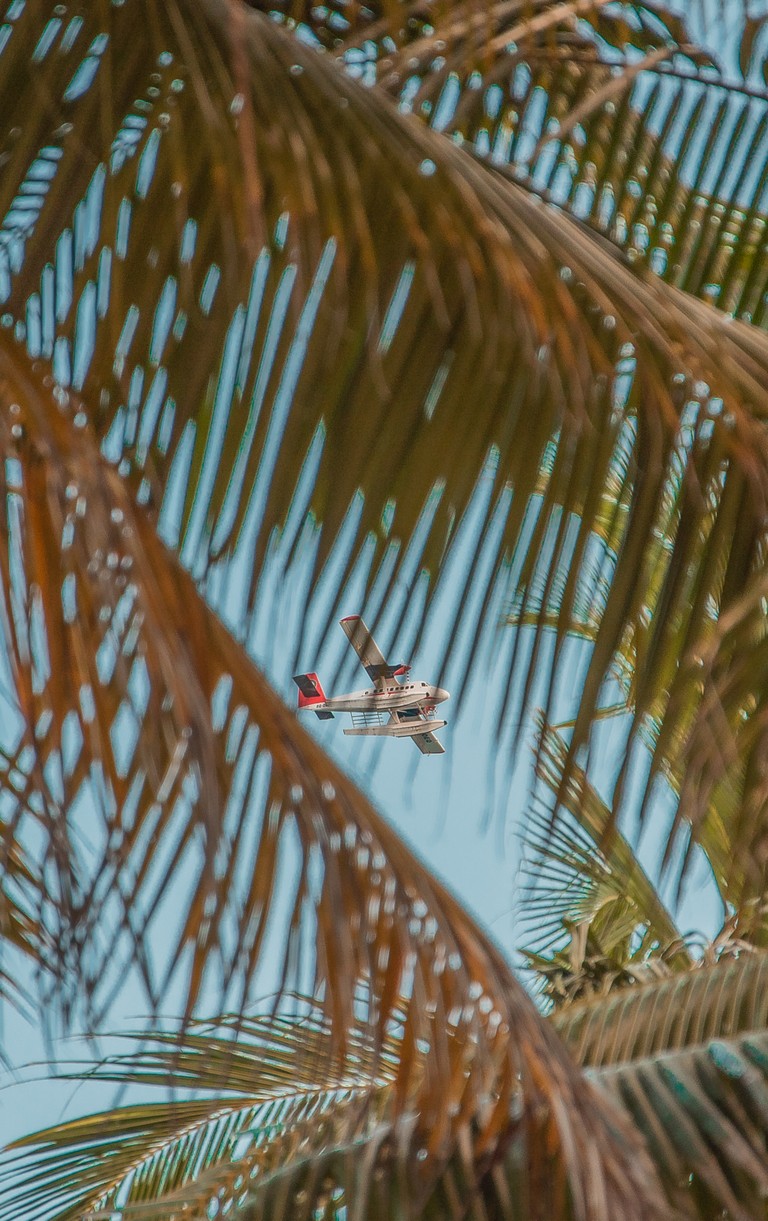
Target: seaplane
(394, 707)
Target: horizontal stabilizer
(323, 714)
(428, 744)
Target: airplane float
(390, 708)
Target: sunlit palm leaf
(281, 851)
(615, 856)
(537, 603)
(687, 1058)
(744, 892)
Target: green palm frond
(687, 1059)
(601, 900)
(262, 1080)
(683, 1056)
(333, 1165)
(588, 887)
(597, 865)
(592, 917)
(740, 890)
(709, 1002)
(537, 601)
(278, 1121)
(595, 821)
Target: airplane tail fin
(311, 693)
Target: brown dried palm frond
(291, 869)
(616, 113)
(400, 38)
(408, 294)
(27, 945)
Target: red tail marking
(306, 701)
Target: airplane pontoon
(394, 707)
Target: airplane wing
(367, 650)
(428, 744)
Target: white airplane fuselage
(389, 698)
(387, 709)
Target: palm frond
(616, 114)
(27, 942)
(687, 1058)
(592, 917)
(262, 1079)
(708, 1002)
(285, 1126)
(586, 931)
(670, 165)
(282, 850)
(740, 891)
(613, 854)
(400, 287)
(263, 291)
